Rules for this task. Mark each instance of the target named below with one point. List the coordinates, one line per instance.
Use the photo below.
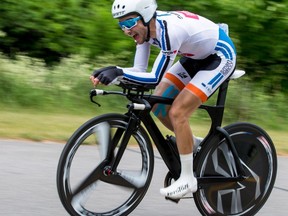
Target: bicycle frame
(235, 166)
(139, 111)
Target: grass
(58, 127)
(38, 126)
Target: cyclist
(208, 59)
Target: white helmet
(145, 8)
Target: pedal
(172, 200)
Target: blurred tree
(260, 29)
(57, 28)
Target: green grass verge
(58, 127)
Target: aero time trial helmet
(145, 8)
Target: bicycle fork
(132, 125)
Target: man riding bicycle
(208, 59)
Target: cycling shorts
(202, 77)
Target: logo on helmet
(121, 13)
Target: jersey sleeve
(161, 64)
(163, 61)
(141, 58)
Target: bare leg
(184, 105)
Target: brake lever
(93, 94)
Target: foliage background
(54, 29)
(49, 49)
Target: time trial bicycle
(235, 165)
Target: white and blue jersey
(193, 37)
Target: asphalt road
(28, 184)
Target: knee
(176, 115)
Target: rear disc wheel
(258, 157)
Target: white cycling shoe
(180, 188)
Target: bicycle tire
(104, 195)
(258, 157)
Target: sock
(186, 182)
(186, 164)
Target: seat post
(222, 92)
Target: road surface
(28, 184)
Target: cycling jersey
(186, 34)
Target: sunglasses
(129, 23)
